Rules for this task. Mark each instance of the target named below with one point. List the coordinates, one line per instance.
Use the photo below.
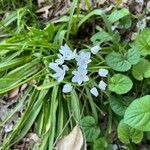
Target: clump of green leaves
(49, 112)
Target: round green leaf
(120, 84)
(127, 134)
(137, 114)
(118, 105)
(126, 22)
(143, 42)
(141, 70)
(100, 144)
(90, 129)
(133, 55)
(118, 62)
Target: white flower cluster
(80, 74)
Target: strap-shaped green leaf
(118, 14)
(18, 76)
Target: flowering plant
(83, 75)
(80, 74)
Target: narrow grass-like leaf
(52, 119)
(72, 10)
(96, 12)
(15, 77)
(14, 62)
(75, 105)
(23, 126)
(92, 104)
(17, 108)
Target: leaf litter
(73, 141)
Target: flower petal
(102, 85)
(95, 49)
(94, 91)
(53, 66)
(103, 72)
(67, 88)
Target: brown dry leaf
(23, 87)
(148, 5)
(33, 82)
(40, 2)
(73, 141)
(33, 137)
(3, 111)
(13, 93)
(100, 2)
(45, 11)
(133, 36)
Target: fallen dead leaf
(133, 36)
(23, 87)
(100, 2)
(73, 141)
(40, 2)
(33, 137)
(45, 11)
(3, 111)
(148, 5)
(13, 93)
(33, 82)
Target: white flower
(80, 75)
(60, 60)
(67, 88)
(65, 67)
(95, 49)
(59, 72)
(103, 72)
(94, 91)
(102, 85)
(67, 53)
(83, 59)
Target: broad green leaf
(126, 22)
(137, 114)
(118, 105)
(100, 144)
(133, 55)
(141, 70)
(104, 36)
(122, 63)
(143, 42)
(90, 129)
(101, 36)
(120, 84)
(118, 14)
(118, 62)
(127, 134)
